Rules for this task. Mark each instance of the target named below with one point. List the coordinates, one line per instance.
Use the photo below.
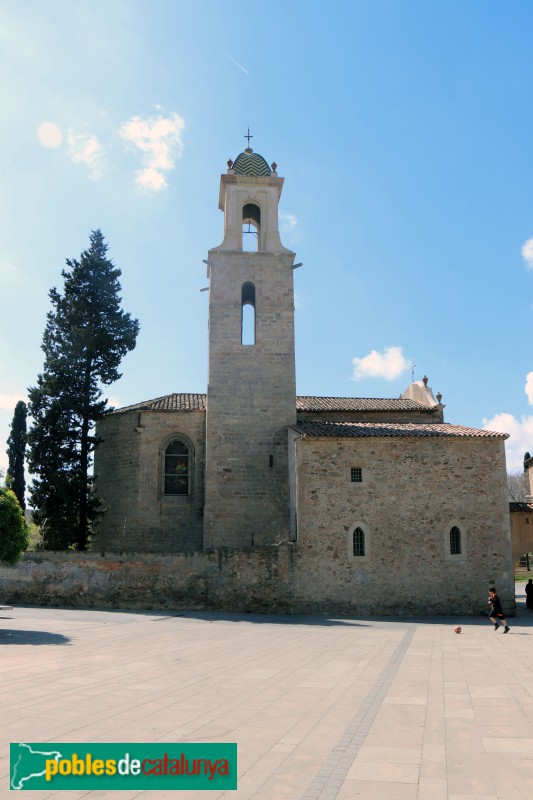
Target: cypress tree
(16, 451)
(86, 336)
(13, 530)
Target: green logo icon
(110, 765)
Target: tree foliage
(86, 336)
(518, 487)
(16, 451)
(13, 531)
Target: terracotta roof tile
(169, 402)
(391, 429)
(359, 404)
(194, 402)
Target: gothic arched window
(455, 541)
(177, 468)
(359, 542)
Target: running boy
(496, 611)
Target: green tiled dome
(250, 163)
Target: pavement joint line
(326, 783)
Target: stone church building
(348, 504)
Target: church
(330, 504)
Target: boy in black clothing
(496, 611)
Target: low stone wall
(257, 581)
(279, 579)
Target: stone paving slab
(321, 709)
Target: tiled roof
(514, 506)
(250, 163)
(358, 404)
(194, 402)
(170, 402)
(392, 429)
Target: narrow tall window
(358, 542)
(177, 468)
(251, 227)
(455, 541)
(248, 314)
(357, 475)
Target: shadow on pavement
(32, 637)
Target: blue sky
(404, 132)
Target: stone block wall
(251, 399)
(130, 481)
(414, 490)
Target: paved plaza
(321, 709)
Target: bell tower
(251, 394)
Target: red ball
(457, 629)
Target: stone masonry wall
(129, 480)
(279, 579)
(413, 491)
(251, 399)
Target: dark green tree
(86, 336)
(13, 530)
(16, 451)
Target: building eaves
(169, 402)
(346, 430)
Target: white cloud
(160, 141)
(389, 364)
(49, 134)
(527, 253)
(288, 221)
(520, 438)
(86, 149)
(529, 387)
(9, 401)
(289, 227)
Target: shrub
(13, 530)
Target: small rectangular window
(357, 475)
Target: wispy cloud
(520, 437)
(529, 389)
(49, 134)
(240, 66)
(527, 253)
(389, 364)
(114, 402)
(9, 401)
(86, 149)
(160, 141)
(289, 226)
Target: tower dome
(250, 163)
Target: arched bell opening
(251, 227)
